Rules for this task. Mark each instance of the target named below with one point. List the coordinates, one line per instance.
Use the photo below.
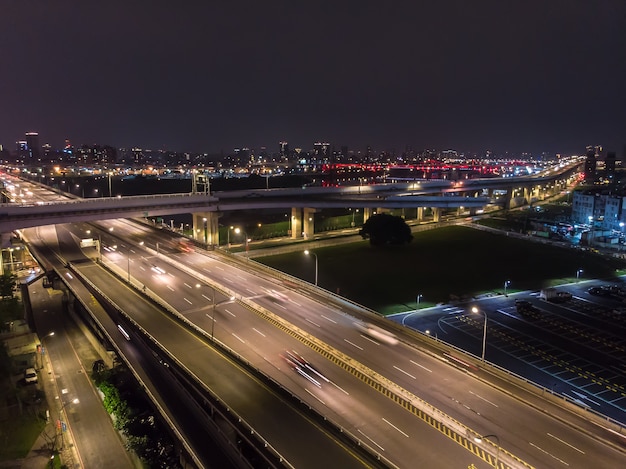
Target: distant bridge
(472, 194)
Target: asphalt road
(454, 392)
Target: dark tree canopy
(384, 229)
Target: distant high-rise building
(283, 149)
(609, 165)
(30, 148)
(590, 164)
(321, 150)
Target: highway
(352, 402)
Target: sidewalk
(74, 409)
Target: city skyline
(525, 77)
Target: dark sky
(505, 75)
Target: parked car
(30, 375)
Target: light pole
(228, 237)
(232, 298)
(578, 272)
(307, 252)
(60, 425)
(476, 310)
(479, 439)
(419, 297)
(506, 284)
(110, 192)
(205, 231)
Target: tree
(384, 229)
(7, 285)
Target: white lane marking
(233, 315)
(170, 288)
(314, 323)
(187, 301)
(187, 285)
(314, 396)
(544, 451)
(372, 441)
(142, 268)
(582, 396)
(297, 304)
(251, 291)
(238, 338)
(481, 397)
(353, 344)
(328, 319)
(258, 332)
(566, 443)
(218, 267)
(340, 388)
(421, 366)
(210, 317)
(370, 339)
(406, 373)
(206, 297)
(394, 427)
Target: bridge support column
(527, 196)
(367, 212)
(205, 228)
(420, 214)
(309, 222)
(508, 199)
(296, 223)
(436, 214)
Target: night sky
(210, 76)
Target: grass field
(442, 265)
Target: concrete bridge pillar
(205, 228)
(309, 222)
(367, 212)
(420, 214)
(436, 214)
(296, 223)
(508, 198)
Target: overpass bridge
(436, 195)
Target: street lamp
(228, 237)
(506, 284)
(307, 252)
(60, 424)
(476, 310)
(578, 272)
(205, 231)
(419, 296)
(479, 439)
(232, 298)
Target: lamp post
(205, 231)
(506, 284)
(228, 300)
(307, 252)
(60, 424)
(419, 297)
(479, 439)
(110, 192)
(228, 237)
(476, 310)
(578, 272)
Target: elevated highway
(472, 194)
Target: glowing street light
(506, 284)
(307, 252)
(419, 297)
(578, 272)
(476, 310)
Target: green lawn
(442, 265)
